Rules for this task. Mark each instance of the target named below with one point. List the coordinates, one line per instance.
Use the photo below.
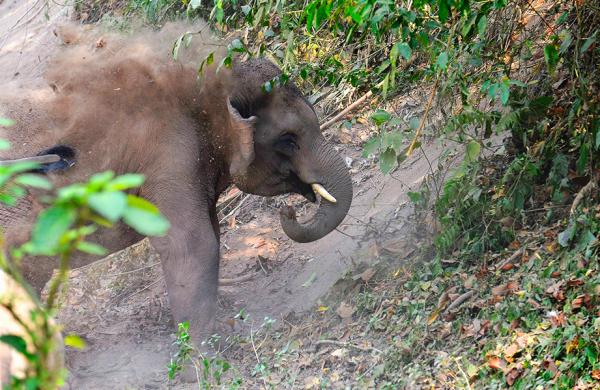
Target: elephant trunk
(329, 170)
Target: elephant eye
(286, 144)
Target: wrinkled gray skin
(227, 130)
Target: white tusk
(319, 189)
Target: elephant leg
(190, 261)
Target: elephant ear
(242, 145)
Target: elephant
(191, 138)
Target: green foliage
(73, 214)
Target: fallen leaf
(231, 222)
(557, 319)
(507, 267)
(433, 316)
(577, 302)
(230, 322)
(511, 351)
(496, 363)
(573, 344)
(345, 310)
(322, 309)
(596, 374)
(310, 280)
(513, 375)
(504, 289)
(367, 274)
(575, 282)
(339, 353)
(550, 365)
(312, 382)
(556, 291)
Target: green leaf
(51, 225)
(598, 136)
(504, 93)
(195, 4)
(473, 150)
(584, 156)
(99, 180)
(210, 58)
(567, 39)
(404, 50)
(393, 140)
(237, 46)
(414, 123)
(482, 26)
(443, 10)
(74, 341)
(4, 144)
(414, 197)
(380, 117)
(371, 146)
(387, 161)
(442, 61)
(125, 182)
(110, 205)
(145, 222)
(141, 203)
(588, 42)
(35, 181)
(565, 237)
(18, 344)
(5, 122)
(310, 280)
(551, 57)
(91, 248)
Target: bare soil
(119, 304)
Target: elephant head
(276, 147)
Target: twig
(236, 208)
(43, 159)
(135, 270)
(413, 144)
(512, 257)
(239, 279)
(541, 17)
(257, 358)
(460, 300)
(582, 194)
(346, 110)
(463, 373)
(346, 345)
(115, 299)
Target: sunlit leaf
(5, 122)
(473, 150)
(51, 225)
(551, 57)
(387, 160)
(380, 117)
(18, 344)
(145, 222)
(74, 341)
(442, 61)
(110, 205)
(588, 43)
(125, 182)
(35, 181)
(371, 146)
